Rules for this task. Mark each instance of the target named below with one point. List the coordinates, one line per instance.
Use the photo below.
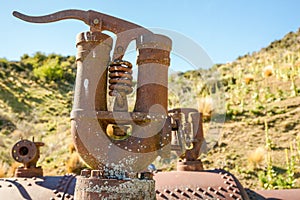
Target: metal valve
(27, 152)
(97, 73)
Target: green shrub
(49, 71)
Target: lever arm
(97, 22)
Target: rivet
(58, 195)
(85, 172)
(229, 188)
(55, 191)
(185, 194)
(10, 185)
(197, 195)
(29, 184)
(33, 178)
(167, 191)
(174, 195)
(68, 196)
(163, 196)
(223, 189)
(25, 179)
(52, 198)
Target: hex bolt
(85, 172)
(95, 173)
(96, 21)
(145, 175)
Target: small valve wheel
(24, 151)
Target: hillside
(259, 141)
(35, 100)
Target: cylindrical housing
(90, 94)
(153, 62)
(91, 78)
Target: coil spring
(120, 75)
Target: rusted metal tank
(213, 184)
(118, 161)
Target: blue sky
(224, 29)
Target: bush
(48, 68)
(49, 71)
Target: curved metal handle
(97, 22)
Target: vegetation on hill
(35, 100)
(259, 141)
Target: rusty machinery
(119, 156)
(28, 153)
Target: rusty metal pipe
(153, 62)
(90, 94)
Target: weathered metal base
(46, 187)
(216, 184)
(96, 187)
(29, 172)
(195, 165)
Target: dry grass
(74, 164)
(2, 170)
(12, 169)
(248, 78)
(256, 157)
(205, 106)
(71, 148)
(268, 71)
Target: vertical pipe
(92, 60)
(153, 62)
(90, 94)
